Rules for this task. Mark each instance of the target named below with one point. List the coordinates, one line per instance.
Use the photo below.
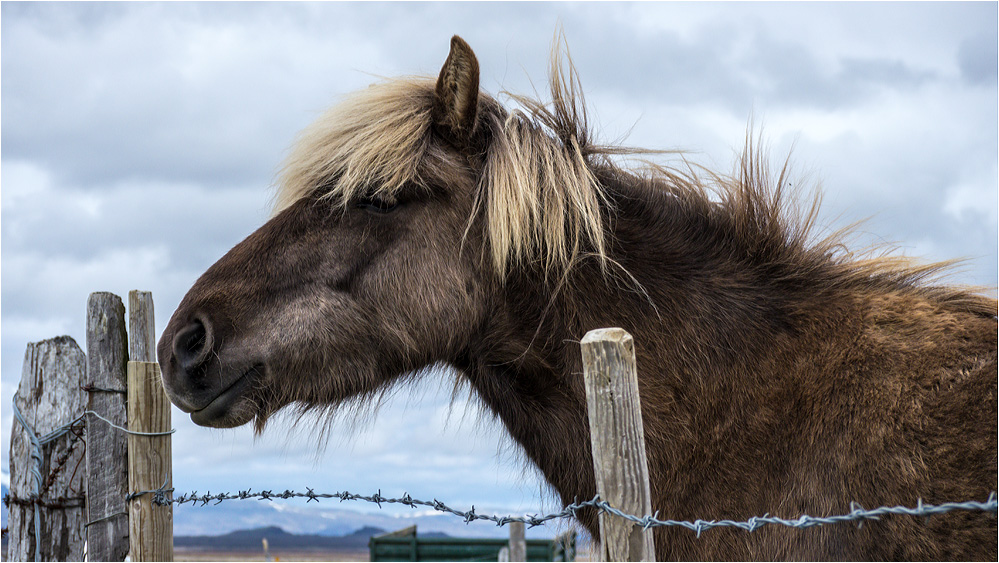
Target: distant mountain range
(329, 518)
(248, 540)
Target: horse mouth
(231, 407)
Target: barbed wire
(857, 513)
(161, 497)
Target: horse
(421, 223)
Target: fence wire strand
(162, 497)
(857, 513)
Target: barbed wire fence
(164, 495)
(857, 513)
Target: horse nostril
(192, 345)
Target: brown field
(196, 554)
(189, 554)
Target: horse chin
(232, 407)
(236, 416)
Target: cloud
(182, 94)
(978, 59)
(196, 222)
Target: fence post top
(612, 334)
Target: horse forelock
(370, 144)
(537, 192)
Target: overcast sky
(140, 143)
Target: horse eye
(377, 205)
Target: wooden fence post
(149, 457)
(518, 545)
(618, 442)
(107, 449)
(48, 397)
(141, 327)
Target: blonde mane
(537, 190)
(370, 144)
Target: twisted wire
(857, 513)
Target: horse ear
(457, 94)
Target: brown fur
(420, 224)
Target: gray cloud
(736, 67)
(978, 58)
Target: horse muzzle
(214, 392)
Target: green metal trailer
(405, 545)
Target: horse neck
(695, 312)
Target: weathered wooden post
(618, 442)
(107, 447)
(48, 527)
(518, 545)
(149, 457)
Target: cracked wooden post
(618, 442)
(48, 397)
(149, 457)
(107, 447)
